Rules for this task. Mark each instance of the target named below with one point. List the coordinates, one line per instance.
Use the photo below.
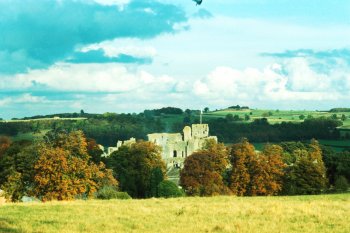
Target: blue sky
(131, 55)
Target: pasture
(323, 213)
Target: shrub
(123, 195)
(106, 193)
(168, 189)
(341, 184)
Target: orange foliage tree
(256, 173)
(63, 170)
(267, 171)
(5, 143)
(241, 155)
(203, 171)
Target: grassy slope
(326, 213)
(278, 116)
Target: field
(324, 213)
(277, 116)
(273, 116)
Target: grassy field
(325, 213)
(277, 115)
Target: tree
(241, 154)
(267, 179)
(229, 117)
(63, 170)
(157, 177)
(133, 167)
(94, 151)
(206, 109)
(169, 189)
(16, 170)
(343, 117)
(5, 143)
(307, 175)
(302, 117)
(256, 173)
(203, 172)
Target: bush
(168, 189)
(123, 195)
(341, 184)
(110, 192)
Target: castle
(176, 146)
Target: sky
(129, 55)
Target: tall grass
(326, 213)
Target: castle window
(175, 153)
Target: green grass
(277, 115)
(324, 213)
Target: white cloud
(131, 47)
(23, 99)
(89, 78)
(291, 81)
(119, 3)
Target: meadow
(323, 213)
(277, 116)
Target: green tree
(133, 166)
(157, 177)
(229, 117)
(169, 189)
(307, 175)
(16, 170)
(343, 117)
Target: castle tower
(187, 133)
(200, 130)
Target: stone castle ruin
(176, 146)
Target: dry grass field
(324, 213)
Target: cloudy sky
(130, 55)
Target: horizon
(125, 56)
(140, 112)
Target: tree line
(68, 165)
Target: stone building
(119, 144)
(176, 146)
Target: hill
(324, 213)
(231, 124)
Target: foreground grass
(327, 213)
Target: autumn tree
(203, 172)
(94, 151)
(136, 167)
(267, 171)
(5, 143)
(256, 173)
(63, 170)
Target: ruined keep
(176, 146)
